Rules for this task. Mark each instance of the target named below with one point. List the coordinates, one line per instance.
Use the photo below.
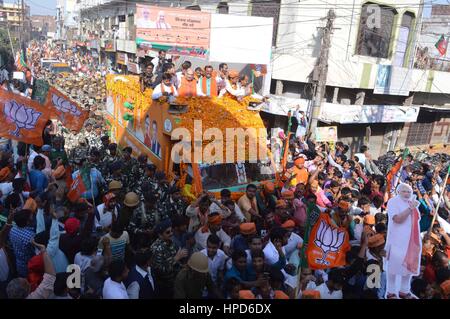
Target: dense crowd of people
(135, 236)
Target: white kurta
(398, 236)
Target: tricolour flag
(76, 189)
(22, 119)
(67, 111)
(327, 245)
(441, 45)
(20, 62)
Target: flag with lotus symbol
(22, 119)
(327, 245)
(69, 113)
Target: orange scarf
(172, 91)
(187, 88)
(213, 86)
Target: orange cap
(311, 294)
(246, 294)
(344, 205)
(376, 240)
(288, 195)
(279, 294)
(288, 224)
(269, 187)
(280, 204)
(300, 160)
(369, 219)
(4, 172)
(247, 228)
(445, 286)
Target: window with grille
(222, 8)
(420, 132)
(122, 18)
(269, 9)
(374, 41)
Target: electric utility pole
(321, 70)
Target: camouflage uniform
(129, 166)
(122, 178)
(172, 208)
(93, 140)
(143, 220)
(144, 179)
(70, 141)
(103, 151)
(163, 262)
(106, 163)
(80, 152)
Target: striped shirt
(118, 245)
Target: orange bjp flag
(22, 118)
(76, 189)
(327, 244)
(67, 111)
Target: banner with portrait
(176, 30)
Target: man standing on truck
(165, 89)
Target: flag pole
(439, 202)
(399, 173)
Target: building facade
(15, 18)
(372, 91)
(67, 19)
(42, 26)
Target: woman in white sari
(403, 244)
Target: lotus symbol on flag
(22, 116)
(328, 239)
(64, 105)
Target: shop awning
(435, 108)
(281, 105)
(354, 114)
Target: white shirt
(215, 208)
(325, 293)
(271, 255)
(216, 264)
(114, 290)
(361, 158)
(83, 261)
(179, 75)
(6, 189)
(201, 238)
(293, 241)
(157, 92)
(33, 154)
(240, 91)
(105, 217)
(133, 288)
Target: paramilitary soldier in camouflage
(147, 178)
(128, 164)
(90, 135)
(95, 140)
(110, 158)
(174, 204)
(81, 151)
(115, 174)
(70, 140)
(104, 147)
(165, 261)
(145, 217)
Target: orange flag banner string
(67, 111)
(22, 119)
(327, 244)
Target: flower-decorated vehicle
(209, 143)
